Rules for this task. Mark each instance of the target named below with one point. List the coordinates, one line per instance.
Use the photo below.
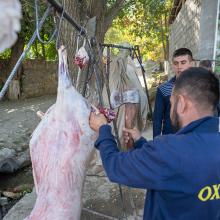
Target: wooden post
(14, 91)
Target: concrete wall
(194, 28)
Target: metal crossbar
(117, 46)
(59, 8)
(136, 52)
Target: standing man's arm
(158, 113)
(147, 166)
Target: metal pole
(117, 46)
(144, 77)
(14, 70)
(61, 10)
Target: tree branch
(112, 12)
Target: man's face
(181, 63)
(175, 119)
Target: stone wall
(195, 28)
(37, 78)
(185, 30)
(208, 21)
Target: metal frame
(136, 53)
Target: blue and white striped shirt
(161, 117)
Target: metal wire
(37, 27)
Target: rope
(14, 70)
(37, 27)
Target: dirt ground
(17, 122)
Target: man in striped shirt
(181, 60)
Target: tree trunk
(43, 46)
(16, 51)
(68, 34)
(82, 11)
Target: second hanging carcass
(125, 87)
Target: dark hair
(200, 84)
(205, 63)
(182, 52)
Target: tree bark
(82, 11)
(16, 52)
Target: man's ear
(181, 105)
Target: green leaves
(28, 26)
(141, 22)
(144, 22)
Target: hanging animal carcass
(60, 148)
(124, 86)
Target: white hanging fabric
(9, 23)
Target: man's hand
(134, 133)
(96, 121)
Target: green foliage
(6, 54)
(143, 23)
(28, 27)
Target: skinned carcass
(124, 85)
(60, 148)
